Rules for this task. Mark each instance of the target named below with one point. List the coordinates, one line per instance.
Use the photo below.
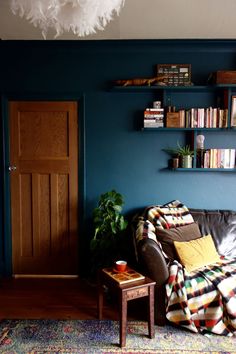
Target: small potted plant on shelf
(109, 226)
(186, 156)
(182, 156)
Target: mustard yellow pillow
(197, 253)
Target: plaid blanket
(203, 300)
(172, 214)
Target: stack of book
(153, 118)
(216, 158)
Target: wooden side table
(127, 292)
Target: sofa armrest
(154, 265)
(153, 261)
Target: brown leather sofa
(221, 224)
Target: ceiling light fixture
(82, 17)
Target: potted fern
(109, 226)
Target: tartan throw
(203, 300)
(172, 214)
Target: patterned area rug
(93, 336)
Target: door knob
(12, 168)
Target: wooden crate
(224, 77)
(173, 120)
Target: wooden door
(44, 187)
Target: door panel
(44, 187)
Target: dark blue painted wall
(114, 153)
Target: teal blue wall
(114, 152)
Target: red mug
(120, 266)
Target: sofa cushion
(198, 253)
(221, 224)
(183, 233)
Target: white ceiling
(144, 19)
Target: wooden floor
(57, 299)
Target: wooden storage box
(224, 77)
(173, 120)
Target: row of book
(216, 158)
(187, 118)
(153, 118)
(203, 118)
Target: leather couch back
(221, 224)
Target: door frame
(6, 239)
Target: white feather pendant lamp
(82, 17)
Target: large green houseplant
(109, 225)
